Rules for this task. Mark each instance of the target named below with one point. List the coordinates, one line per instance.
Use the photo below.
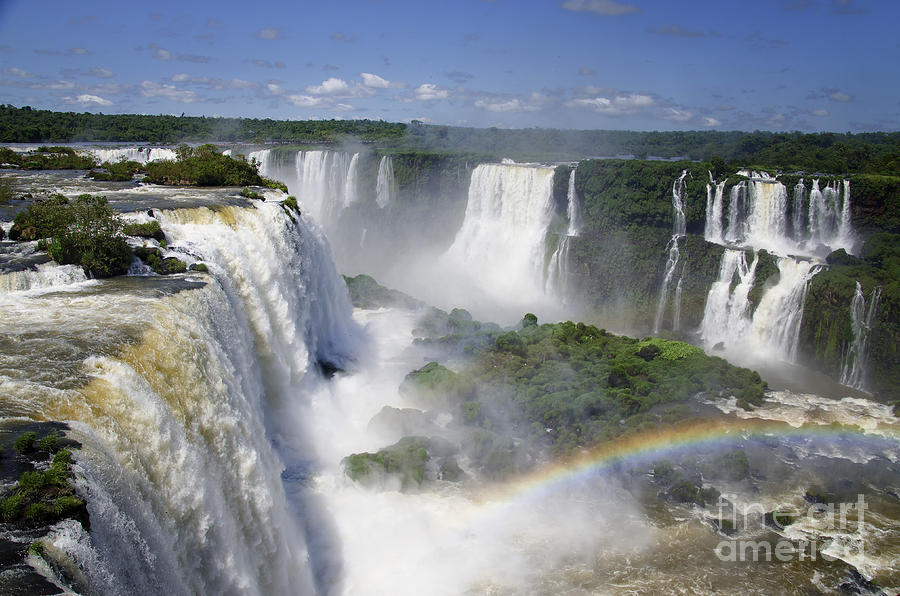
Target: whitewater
(213, 430)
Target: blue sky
(615, 64)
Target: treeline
(26, 125)
(835, 153)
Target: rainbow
(648, 446)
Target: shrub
(150, 229)
(25, 442)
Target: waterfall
(800, 215)
(502, 241)
(44, 276)
(573, 208)
(385, 186)
(760, 215)
(324, 182)
(672, 251)
(351, 188)
(775, 331)
(714, 201)
(187, 395)
(138, 154)
(558, 270)
(726, 316)
(853, 368)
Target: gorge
(218, 409)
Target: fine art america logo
(803, 527)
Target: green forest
(835, 153)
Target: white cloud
(622, 104)
(821, 113)
(331, 86)
(151, 89)
(274, 89)
(17, 72)
(600, 7)
(102, 73)
(634, 100)
(376, 82)
(268, 33)
(180, 77)
(305, 101)
(505, 105)
(677, 115)
(87, 100)
(162, 54)
(430, 91)
(710, 121)
(79, 51)
(840, 96)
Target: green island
(535, 390)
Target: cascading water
(726, 317)
(573, 207)
(501, 246)
(178, 390)
(674, 255)
(351, 187)
(325, 182)
(853, 369)
(138, 154)
(385, 186)
(761, 216)
(714, 202)
(775, 331)
(558, 266)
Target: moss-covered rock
(405, 463)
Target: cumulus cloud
(171, 92)
(620, 104)
(505, 105)
(676, 114)
(600, 7)
(430, 91)
(101, 73)
(820, 113)
(213, 83)
(268, 33)
(840, 96)
(79, 51)
(331, 86)
(305, 101)
(710, 121)
(376, 82)
(88, 100)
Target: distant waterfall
(775, 332)
(325, 182)
(558, 266)
(674, 254)
(714, 202)
(573, 208)
(856, 357)
(351, 187)
(726, 317)
(138, 154)
(760, 215)
(385, 186)
(502, 241)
